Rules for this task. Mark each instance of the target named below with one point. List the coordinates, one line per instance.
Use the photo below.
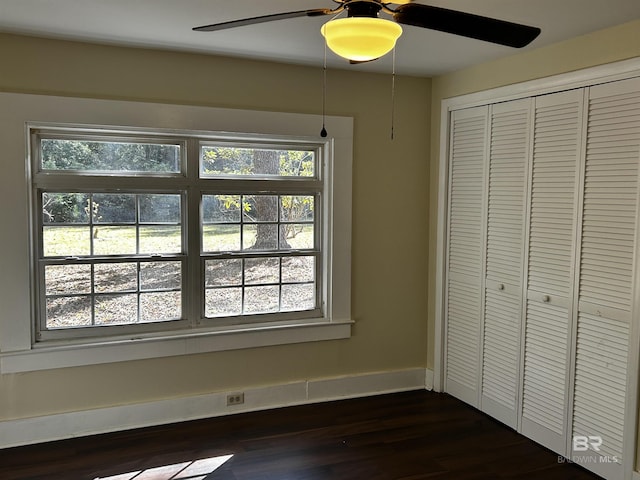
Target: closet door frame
(577, 79)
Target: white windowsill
(50, 357)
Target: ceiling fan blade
(265, 18)
(466, 24)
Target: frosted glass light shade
(361, 38)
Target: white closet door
(550, 276)
(465, 254)
(508, 162)
(606, 269)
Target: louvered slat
(556, 148)
(466, 209)
(545, 365)
(463, 333)
(556, 140)
(606, 267)
(508, 160)
(507, 163)
(600, 382)
(466, 212)
(610, 208)
(501, 352)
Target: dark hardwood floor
(408, 436)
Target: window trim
(18, 352)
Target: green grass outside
(68, 241)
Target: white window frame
(19, 113)
(190, 185)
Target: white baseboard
(428, 380)
(102, 420)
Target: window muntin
(257, 285)
(82, 235)
(117, 251)
(262, 222)
(105, 293)
(272, 244)
(82, 224)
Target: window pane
(220, 238)
(259, 208)
(297, 236)
(114, 208)
(113, 240)
(67, 279)
(68, 312)
(261, 299)
(159, 208)
(225, 160)
(160, 239)
(222, 302)
(65, 208)
(66, 241)
(100, 156)
(223, 273)
(260, 271)
(116, 309)
(298, 297)
(160, 275)
(115, 277)
(298, 269)
(297, 208)
(260, 237)
(160, 306)
(221, 209)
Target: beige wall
(390, 198)
(605, 46)
(395, 200)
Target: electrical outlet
(235, 399)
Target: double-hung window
(142, 232)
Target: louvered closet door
(508, 161)
(465, 252)
(606, 266)
(550, 276)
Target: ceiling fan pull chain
(323, 132)
(393, 90)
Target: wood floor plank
(404, 436)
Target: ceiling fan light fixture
(361, 39)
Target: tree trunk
(268, 236)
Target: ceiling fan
(363, 35)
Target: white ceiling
(167, 24)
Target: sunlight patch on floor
(194, 470)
